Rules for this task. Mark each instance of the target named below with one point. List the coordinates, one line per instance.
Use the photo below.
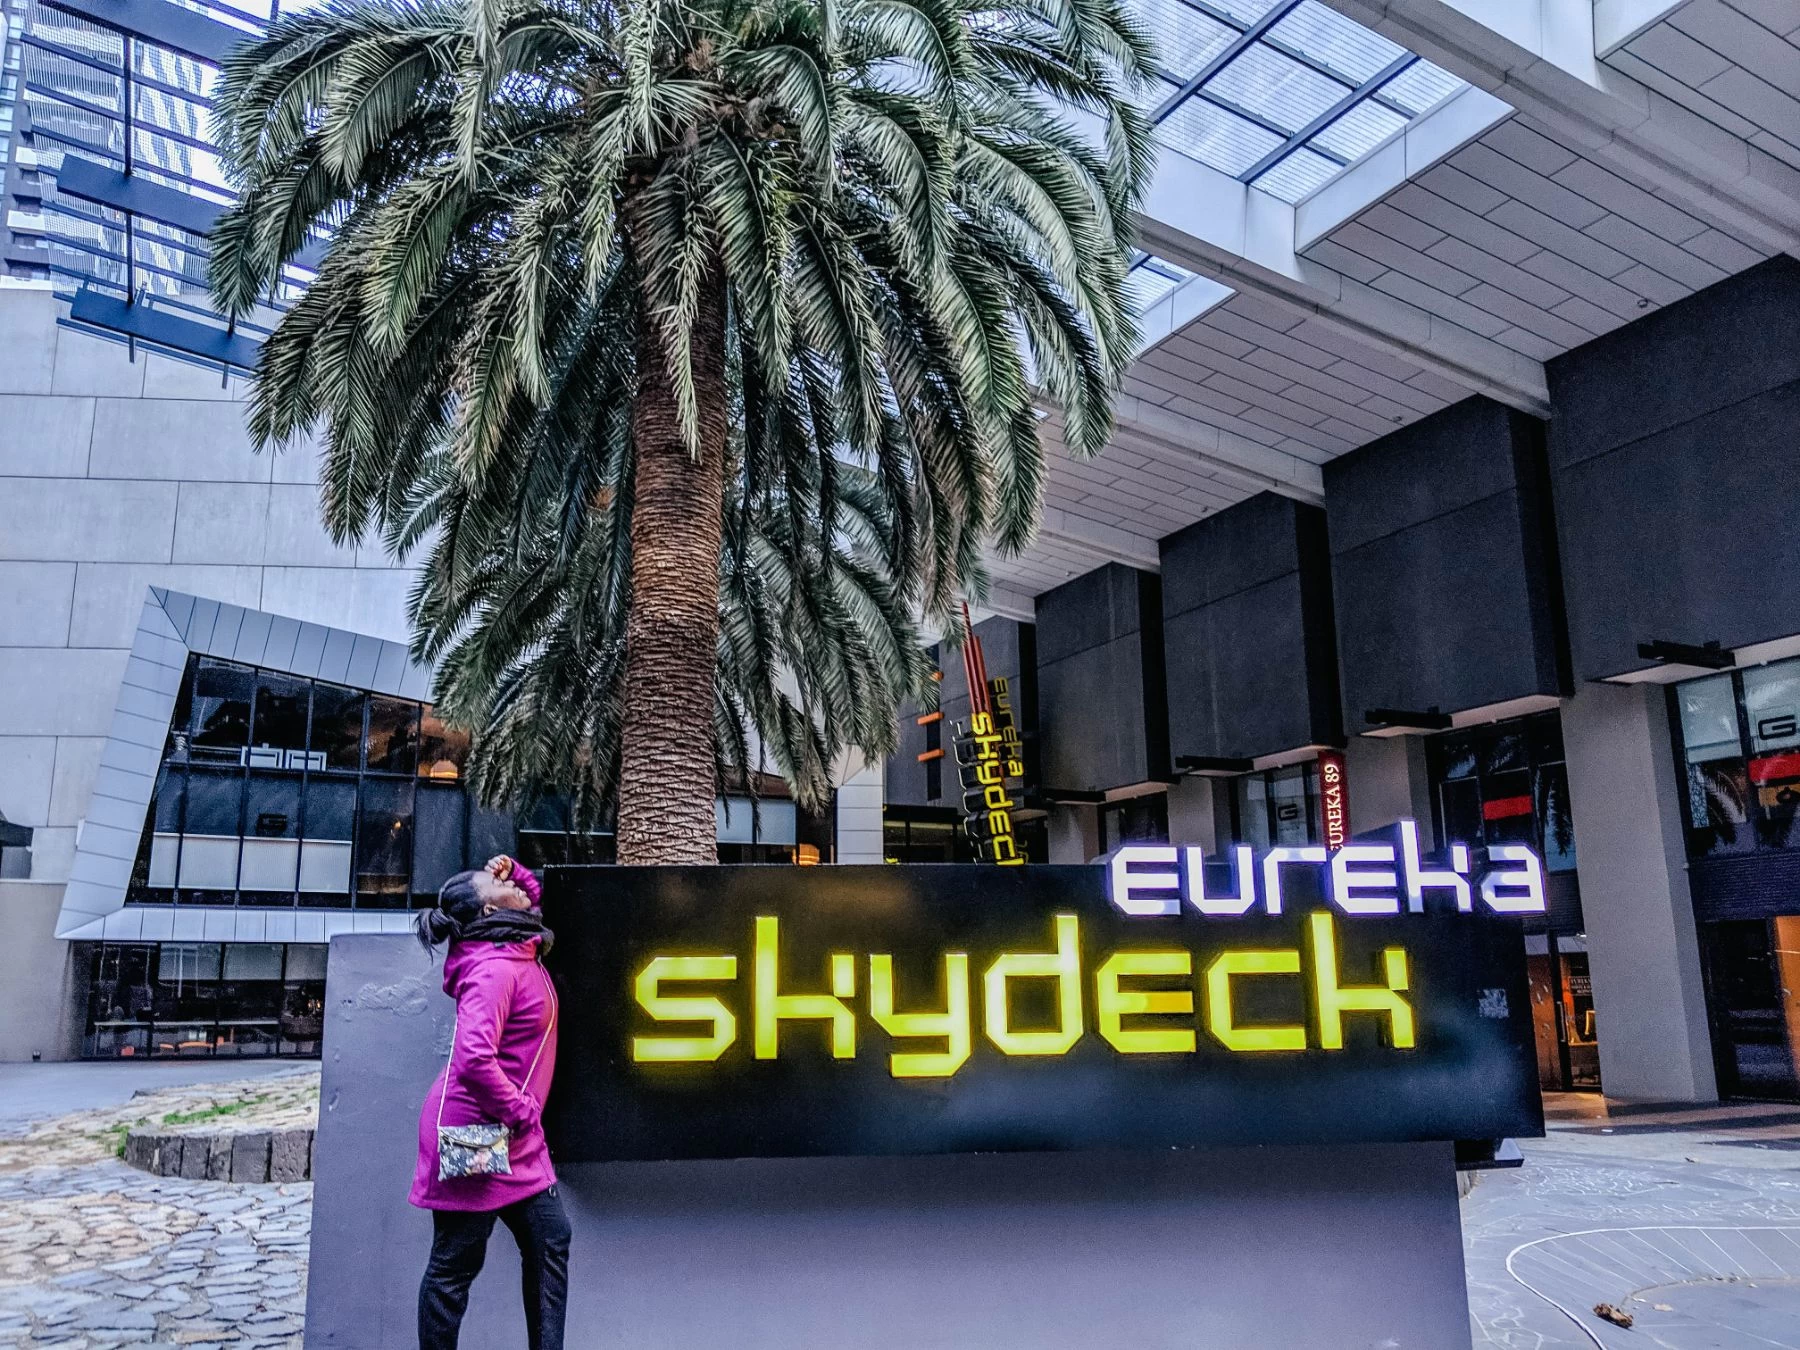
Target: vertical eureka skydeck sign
(1160, 998)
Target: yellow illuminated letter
(668, 1008)
(771, 1007)
(1113, 1004)
(1335, 1000)
(1220, 1019)
(1064, 966)
(953, 1024)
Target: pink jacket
(505, 1008)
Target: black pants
(458, 1248)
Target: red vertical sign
(1334, 798)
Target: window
(1281, 94)
(1738, 736)
(1505, 783)
(193, 999)
(277, 790)
(1277, 808)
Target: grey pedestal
(1246, 1249)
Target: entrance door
(1562, 1012)
(1753, 967)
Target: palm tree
(770, 239)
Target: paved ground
(95, 1255)
(1687, 1221)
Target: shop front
(1507, 783)
(1738, 746)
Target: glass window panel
(1556, 818)
(1185, 38)
(280, 727)
(1145, 285)
(330, 809)
(384, 830)
(1509, 808)
(1718, 807)
(1245, 12)
(252, 961)
(1460, 801)
(1358, 131)
(271, 846)
(1295, 176)
(324, 873)
(1772, 706)
(171, 792)
(393, 735)
(214, 802)
(1288, 798)
(221, 712)
(337, 726)
(1503, 751)
(1276, 87)
(1545, 734)
(306, 961)
(269, 868)
(208, 864)
(1709, 724)
(443, 749)
(1459, 756)
(187, 962)
(164, 848)
(1327, 37)
(441, 839)
(1420, 86)
(1214, 136)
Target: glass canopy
(1281, 94)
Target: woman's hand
(500, 867)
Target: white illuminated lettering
(1518, 891)
(1345, 883)
(1419, 879)
(1125, 885)
(1221, 906)
(1271, 869)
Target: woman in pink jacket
(502, 1056)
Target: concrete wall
(1643, 951)
(1672, 453)
(1247, 632)
(1102, 706)
(117, 475)
(1386, 779)
(39, 996)
(1247, 1247)
(1443, 564)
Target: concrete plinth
(1301, 1248)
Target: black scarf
(509, 925)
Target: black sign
(749, 1011)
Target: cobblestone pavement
(95, 1255)
(1688, 1222)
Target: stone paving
(95, 1255)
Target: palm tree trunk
(666, 772)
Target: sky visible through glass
(1281, 94)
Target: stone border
(247, 1155)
